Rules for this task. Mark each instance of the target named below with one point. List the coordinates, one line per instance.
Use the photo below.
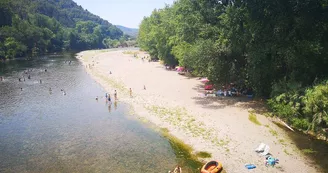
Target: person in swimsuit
(109, 99)
(130, 92)
(115, 95)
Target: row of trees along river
(32, 27)
(277, 48)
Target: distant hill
(133, 32)
(32, 27)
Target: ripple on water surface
(43, 131)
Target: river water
(43, 130)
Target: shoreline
(220, 127)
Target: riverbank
(220, 126)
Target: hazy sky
(128, 13)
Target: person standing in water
(109, 99)
(115, 95)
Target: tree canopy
(266, 45)
(30, 27)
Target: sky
(128, 13)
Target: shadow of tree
(221, 102)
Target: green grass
(308, 151)
(203, 154)
(183, 152)
(252, 117)
(130, 52)
(273, 132)
(286, 152)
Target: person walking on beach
(106, 95)
(1, 78)
(130, 92)
(29, 77)
(144, 87)
(97, 98)
(40, 81)
(115, 95)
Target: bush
(305, 109)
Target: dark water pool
(43, 130)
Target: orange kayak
(211, 167)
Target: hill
(133, 32)
(31, 27)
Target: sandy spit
(216, 125)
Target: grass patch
(203, 154)
(183, 152)
(282, 142)
(308, 151)
(267, 126)
(286, 152)
(273, 132)
(252, 117)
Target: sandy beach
(219, 126)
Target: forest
(33, 27)
(277, 48)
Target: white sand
(172, 101)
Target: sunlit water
(43, 131)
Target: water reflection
(57, 126)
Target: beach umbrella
(204, 80)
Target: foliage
(305, 110)
(31, 27)
(276, 48)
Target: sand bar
(219, 126)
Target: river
(45, 129)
